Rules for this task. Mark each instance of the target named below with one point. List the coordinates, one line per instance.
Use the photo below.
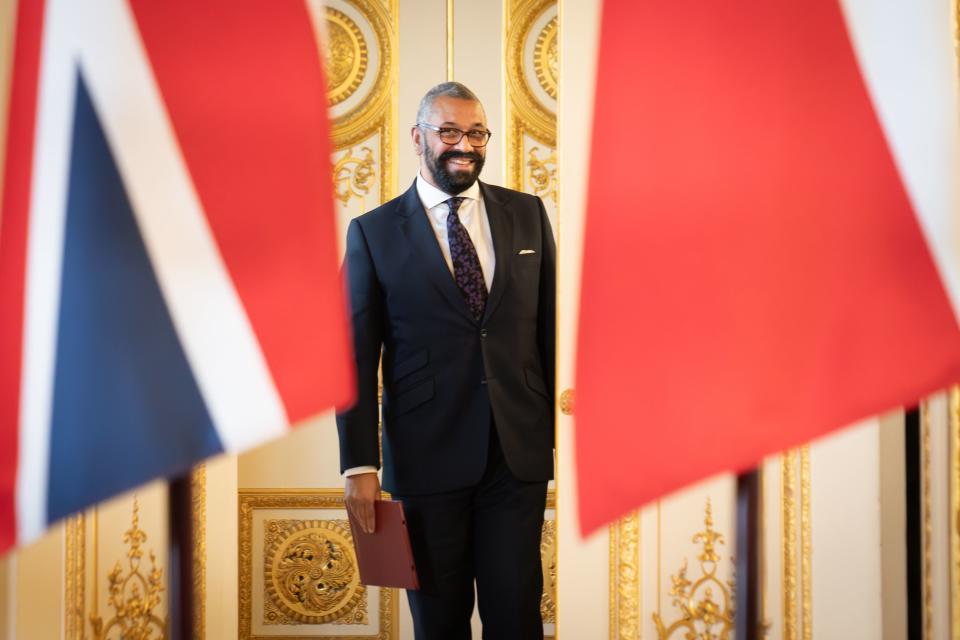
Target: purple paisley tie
(466, 264)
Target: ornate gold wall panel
(298, 571)
(360, 57)
(532, 73)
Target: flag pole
(747, 616)
(180, 577)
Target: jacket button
(483, 333)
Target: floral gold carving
(353, 176)
(705, 604)
(311, 573)
(304, 544)
(133, 595)
(543, 174)
(548, 562)
(346, 56)
(546, 59)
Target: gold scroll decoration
(353, 174)
(704, 604)
(310, 573)
(133, 595)
(529, 69)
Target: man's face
(452, 168)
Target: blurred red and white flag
(771, 244)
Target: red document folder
(384, 556)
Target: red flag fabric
(754, 274)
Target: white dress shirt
(473, 216)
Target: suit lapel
(501, 228)
(416, 227)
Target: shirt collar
(430, 196)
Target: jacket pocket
(536, 383)
(414, 363)
(412, 398)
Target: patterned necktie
(466, 264)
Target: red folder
(384, 556)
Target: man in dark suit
(453, 284)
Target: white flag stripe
(213, 327)
(907, 56)
(55, 100)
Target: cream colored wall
(221, 548)
(845, 499)
(39, 600)
(893, 535)
(583, 599)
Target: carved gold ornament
(308, 561)
(543, 174)
(353, 176)
(567, 402)
(548, 563)
(545, 58)
(345, 55)
(705, 604)
(311, 573)
(133, 595)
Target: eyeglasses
(448, 135)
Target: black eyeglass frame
(439, 131)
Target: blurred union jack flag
(168, 266)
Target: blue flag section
(126, 405)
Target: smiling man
(452, 284)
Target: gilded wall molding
(625, 583)
(301, 541)
(927, 518)
(75, 576)
(955, 512)
(795, 505)
(198, 497)
(360, 57)
(531, 57)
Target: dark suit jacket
(445, 374)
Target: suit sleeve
(547, 311)
(358, 426)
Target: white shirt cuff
(355, 471)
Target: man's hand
(360, 492)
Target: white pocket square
(524, 252)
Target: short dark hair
(448, 89)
